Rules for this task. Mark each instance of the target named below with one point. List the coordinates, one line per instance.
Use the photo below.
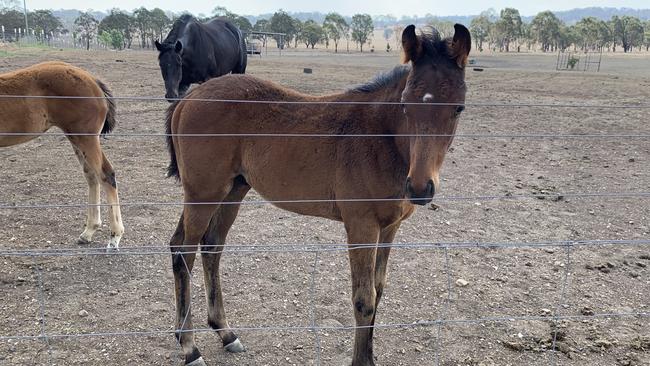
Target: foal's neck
(386, 88)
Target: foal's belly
(21, 117)
(294, 170)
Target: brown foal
(399, 168)
(23, 119)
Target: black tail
(109, 123)
(172, 169)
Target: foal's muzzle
(422, 197)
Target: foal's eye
(460, 109)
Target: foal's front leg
(364, 294)
(381, 265)
(93, 217)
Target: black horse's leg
(211, 249)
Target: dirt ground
(513, 292)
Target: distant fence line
(68, 41)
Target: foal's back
(36, 115)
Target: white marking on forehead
(427, 97)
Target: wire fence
(312, 325)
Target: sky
(345, 7)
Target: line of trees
(331, 31)
(505, 31)
(548, 33)
(120, 29)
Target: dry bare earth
(129, 293)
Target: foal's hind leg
(211, 250)
(115, 215)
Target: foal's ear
(178, 47)
(158, 46)
(461, 45)
(411, 45)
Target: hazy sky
(345, 7)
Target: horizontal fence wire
(415, 324)
(338, 102)
(335, 135)
(506, 197)
(151, 249)
(164, 249)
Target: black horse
(194, 52)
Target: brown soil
(100, 293)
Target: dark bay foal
(399, 171)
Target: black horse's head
(171, 66)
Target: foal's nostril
(431, 188)
(409, 187)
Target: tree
(590, 33)
(112, 38)
(628, 31)
(44, 23)
(480, 29)
(312, 33)
(86, 27)
(509, 27)
(646, 36)
(262, 25)
(281, 22)
(9, 5)
(568, 36)
(159, 23)
(121, 23)
(242, 23)
(336, 28)
(388, 34)
(142, 22)
(527, 35)
(444, 27)
(239, 21)
(362, 29)
(546, 30)
(11, 19)
(297, 25)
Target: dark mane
(178, 28)
(432, 43)
(384, 79)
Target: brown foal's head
(434, 98)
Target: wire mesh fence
(443, 318)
